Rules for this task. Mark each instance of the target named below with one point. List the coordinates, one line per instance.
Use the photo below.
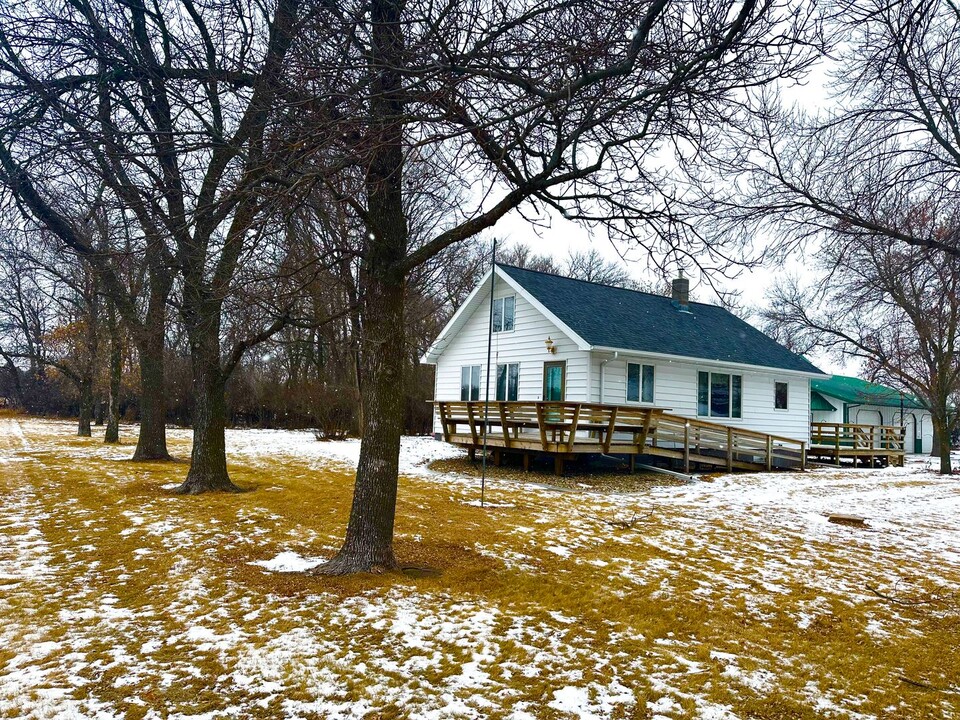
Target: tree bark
(368, 546)
(941, 443)
(152, 443)
(208, 461)
(112, 432)
(150, 338)
(86, 407)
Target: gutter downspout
(603, 364)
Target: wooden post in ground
(558, 464)
(837, 439)
(633, 464)
(769, 453)
(526, 462)
(803, 456)
(686, 447)
(472, 453)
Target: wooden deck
(565, 430)
(866, 444)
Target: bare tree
(880, 158)
(172, 109)
(896, 309)
(572, 105)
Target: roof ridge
(604, 285)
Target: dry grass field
(731, 598)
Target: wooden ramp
(566, 430)
(865, 444)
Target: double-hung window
(781, 392)
(508, 381)
(719, 395)
(503, 312)
(639, 383)
(470, 382)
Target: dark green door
(554, 379)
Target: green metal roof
(621, 319)
(860, 392)
(820, 403)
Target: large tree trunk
(152, 443)
(150, 339)
(368, 546)
(208, 462)
(941, 443)
(86, 407)
(112, 433)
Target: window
(780, 392)
(503, 310)
(508, 381)
(470, 382)
(719, 395)
(639, 383)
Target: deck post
(472, 454)
(633, 464)
(686, 447)
(803, 455)
(472, 422)
(443, 421)
(769, 453)
(573, 428)
(504, 426)
(729, 449)
(526, 462)
(558, 464)
(610, 426)
(837, 440)
(542, 426)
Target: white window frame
(730, 376)
(498, 307)
(506, 389)
(786, 408)
(473, 375)
(641, 386)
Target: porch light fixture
(551, 348)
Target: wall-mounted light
(551, 347)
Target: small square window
(639, 383)
(781, 392)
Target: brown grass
(699, 608)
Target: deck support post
(729, 449)
(633, 464)
(526, 462)
(686, 448)
(769, 453)
(558, 464)
(472, 454)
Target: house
(842, 399)
(556, 338)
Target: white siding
(675, 389)
(523, 345)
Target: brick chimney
(681, 293)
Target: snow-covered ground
(722, 599)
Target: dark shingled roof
(622, 319)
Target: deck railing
(572, 428)
(858, 438)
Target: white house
(842, 399)
(556, 338)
